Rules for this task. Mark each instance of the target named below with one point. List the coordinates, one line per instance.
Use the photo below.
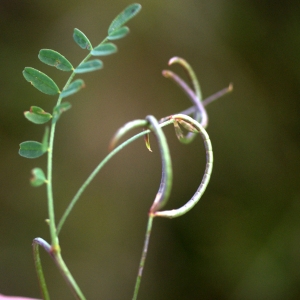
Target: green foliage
(38, 177)
(104, 49)
(89, 66)
(33, 149)
(37, 115)
(41, 81)
(59, 109)
(127, 14)
(118, 33)
(55, 59)
(73, 88)
(81, 39)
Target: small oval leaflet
(37, 115)
(104, 49)
(38, 177)
(89, 66)
(40, 81)
(58, 110)
(81, 39)
(73, 88)
(31, 149)
(119, 33)
(55, 59)
(127, 14)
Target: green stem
(38, 265)
(55, 248)
(96, 171)
(68, 277)
(143, 257)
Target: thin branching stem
(101, 165)
(143, 257)
(55, 247)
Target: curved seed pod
(200, 114)
(207, 173)
(165, 187)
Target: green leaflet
(89, 66)
(104, 49)
(31, 149)
(37, 115)
(58, 110)
(127, 14)
(38, 177)
(81, 39)
(55, 59)
(73, 88)
(40, 81)
(118, 33)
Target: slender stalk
(68, 277)
(38, 265)
(55, 248)
(143, 257)
(98, 168)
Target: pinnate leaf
(81, 39)
(40, 81)
(118, 33)
(89, 66)
(55, 59)
(127, 14)
(104, 49)
(38, 177)
(59, 109)
(73, 88)
(37, 115)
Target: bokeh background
(242, 241)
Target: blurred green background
(242, 241)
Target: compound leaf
(40, 81)
(127, 14)
(55, 59)
(104, 49)
(81, 39)
(37, 115)
(118, 33)
(91, 65)
(73, 88)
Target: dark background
(242, 241)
